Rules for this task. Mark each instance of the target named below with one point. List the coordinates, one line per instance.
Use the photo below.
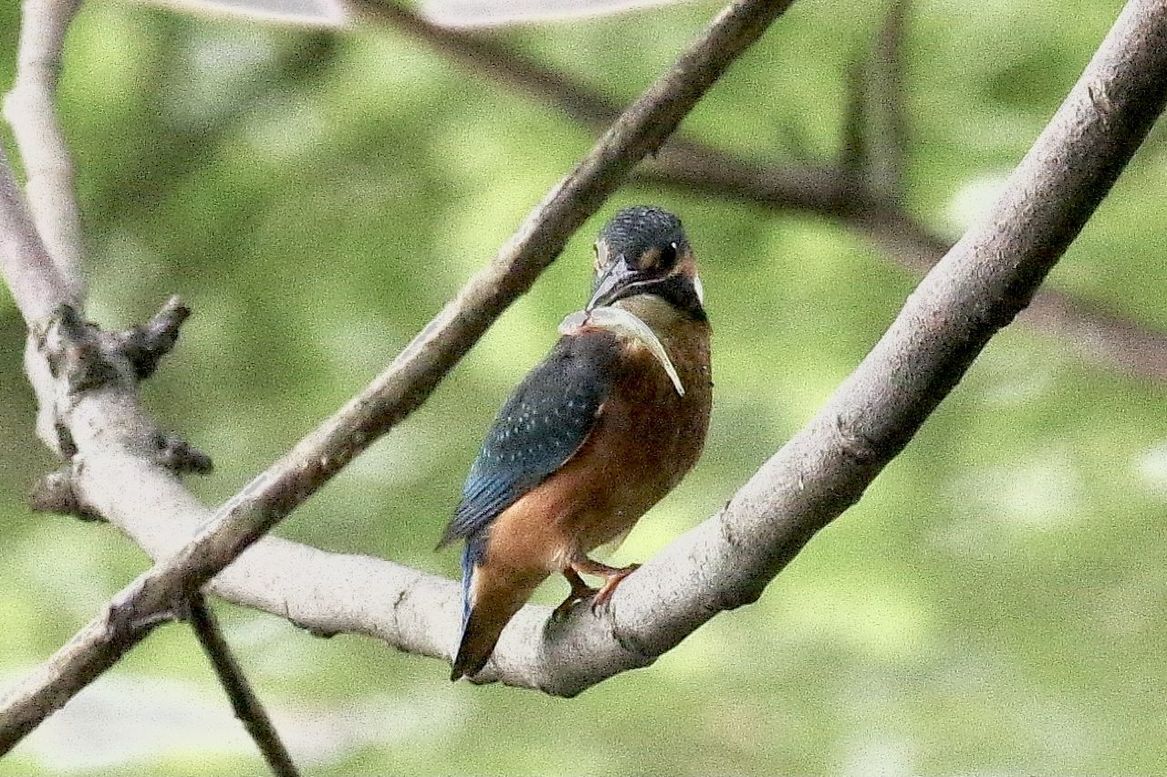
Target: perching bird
(592, 438)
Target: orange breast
(645, 440)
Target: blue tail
(470, 556)
(470, 656)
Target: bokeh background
(994, 605)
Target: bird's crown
(641, 234)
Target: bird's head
(643, 250)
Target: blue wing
(541, 426)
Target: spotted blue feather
(545, 421)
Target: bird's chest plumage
(650, 435)
(647, 437)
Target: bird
(595, 435)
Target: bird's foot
(612, 577)
(609, 587)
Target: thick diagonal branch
(393, 395)
(32, 113)
(37, 286)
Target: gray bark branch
(247, 706)
(37, 285)
(52, 205)
(32, 114)
(976, 289)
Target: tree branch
(37, 286)
(886, 103)
(975, 290)
(248, 709)
(106, 422)
(1109, 339)
(31, 112)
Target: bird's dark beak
(618, 277)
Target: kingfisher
(594, 436)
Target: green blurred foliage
(993, 605)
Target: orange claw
(612, 577)
(609, 587)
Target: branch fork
(82, 358)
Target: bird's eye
(668, 256)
